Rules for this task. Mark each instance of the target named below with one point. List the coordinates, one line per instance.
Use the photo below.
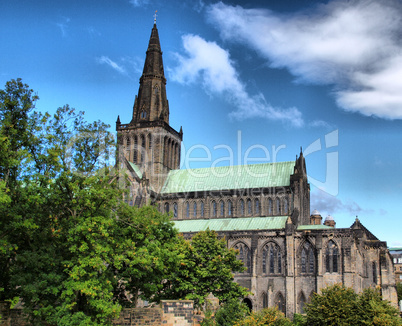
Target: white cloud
(212, 64)
(106, 60)
(139, 3)
(352, 45)
(63, 26)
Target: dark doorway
(247, 301)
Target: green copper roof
(232, 224)
(136, 169)
(229, 177)
(314, 227)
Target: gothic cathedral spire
(151, 103)
(148, 146)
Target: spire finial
(155, 15)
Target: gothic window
(143, 115)
(374, 273)
(280, 302)
(264, 300)
(285, 206)
(331, 257)
(222, 209)
(241, 207)
(128, 147)
(229, 208)
(142, 149)
(307, 259)
(135, 149)
(166, 207)
(244, 255)
(257, 207)
(213, 208)
(174, 209)
(187, 210)
(278, 206)
(302, 303)
(202, 209)
(150, 141)
(271, 259)
(195, 210)
(269, 206)
(249, 207)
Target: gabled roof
(229, 177)
(232, 224)
(136, 169)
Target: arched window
(166, 207)
(213, 208)
(222, 208)
(244, 255)
(149, 141)
(271, 259)
(188, 210)
(249, 207)
(257, 207)
(128, 144)
(280, 302)
(331, 257)
(229, 208)
(374, 273)
(202, 209)
(278, 206)
(143, 115)
(241, 207)
(270, 206)
(264, 300)
(142, 149)
(285, 206)
(174, 209)
(195, 209)
(135, 158)
(307, 259)
(302, 303)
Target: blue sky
(249, 81)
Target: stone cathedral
(263, 210)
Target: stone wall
(168, 313)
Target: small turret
(329, 221)
(315, 218)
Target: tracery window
(278, 206)
(166, 207)
(264, 300)
(302, 303)
(285, 206)
(331, 257)
(142, 149)
(271, 259)
(244, 255)
(188, 210)
(222, 209)
(135, 149)
(249, 207)
(307, 258)
(229, 208)
(213, 208)
(257, 207)
(269, 206)
(241, 207)
(195, 209)
(174, 209)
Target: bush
(268, 316)
(227, 314)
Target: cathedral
(262, 210)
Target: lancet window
(331, 257)
(271, 259)
(244, 255)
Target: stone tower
(148, 145)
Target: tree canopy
(70, 247)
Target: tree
(399, 290)
(70, 248)
(227, 314)
(267, 316)
(207, 266)
(339, 305)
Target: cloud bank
(354, 46)
(107, 61)
(208, 62)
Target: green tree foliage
(268, 316)
(207, 266)
(399, 291)
(227, 314)
(339, 305)
(69, 246)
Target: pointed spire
(118, 120)
(151, 103)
